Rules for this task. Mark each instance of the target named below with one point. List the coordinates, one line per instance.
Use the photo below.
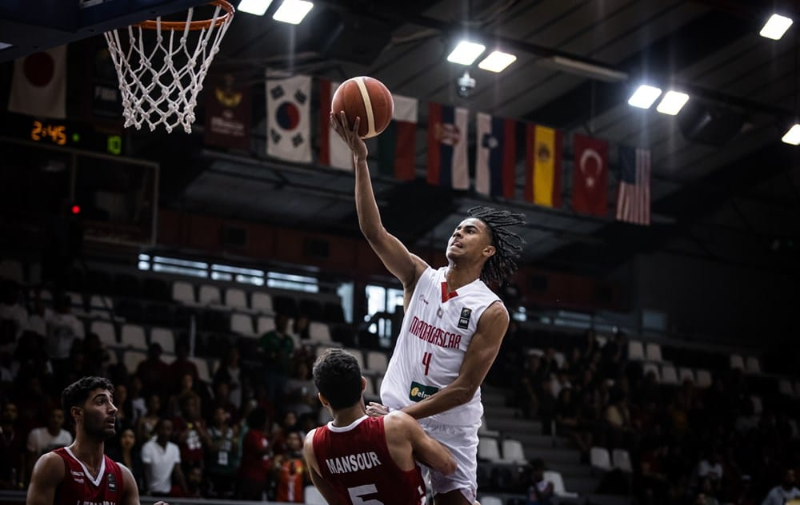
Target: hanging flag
(288, 130)
(590, 175)
(333, 151)
(633, 194)
(397, 143)
(543, 165)
(227, 118)
(495, 156)
(447, 146)
(39, 85)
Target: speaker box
(711, 124)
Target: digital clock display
(68, 133)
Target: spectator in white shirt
(162, 462)
(47, 438)
(13, 316)
(785, 492)
(63, 329)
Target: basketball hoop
(160, 77)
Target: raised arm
(47, 475)
(478, 359)
(394, 255)
(323, 487)
(403, 430)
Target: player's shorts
(462, 441)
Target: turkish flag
(590, 175)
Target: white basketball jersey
(436, 332)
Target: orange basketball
(368, 99)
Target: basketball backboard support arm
(27, 26)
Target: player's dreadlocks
(507, 244)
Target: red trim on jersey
(447, 296)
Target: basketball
(368, 99)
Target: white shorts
(462, 441)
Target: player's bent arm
(425, 449)
(130, 493)
(47, 475)
(323, 487)
(478, 359)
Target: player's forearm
(369, 217)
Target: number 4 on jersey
(426, 361)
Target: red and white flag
(633, 195)
(288, 121)
(39, 85)
(590, 176)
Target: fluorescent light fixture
(5, 45)
(584, 69)
(466, 53)
(497, 61)
(293, 11)
(257, 7)
(793, 135)
(775, 27)
(672, 103)
(644, 96)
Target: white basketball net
(155, 88)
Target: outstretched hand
(350, 137)
(376, 409)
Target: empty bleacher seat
(106, 331)
(183, 292)
(488, 449)
(101, 307)
(685, 374)
(319, 332)
(653, 351)
(312, 496)
(600, 458)
(132, 335)
(12, 270)
(265, 324)
(785, 387)
(165, 338)
(262, 302)
(513, 451)
(242, 324)
(377, 362)
(669, 375)
(236, 299)
(490, 500)
(758, 406)
(203, 372)
(209, 295)
(76, 300)
(358, 354)
(621, 460)
(131, 360)
(752, 365)
(737, 362)
(703, 377)
(635, 350)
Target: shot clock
(68, 134)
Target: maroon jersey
(356, 461)
(81, 488)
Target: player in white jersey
(452, 328)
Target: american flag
(633, 196)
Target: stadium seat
(209, 295)
(653, 352)
(704, 378)
(758, 406)
(490, 500)
(752, 365)
(600, 458)
(106, 331)
(131, 360)
(242, 324)
(183, 292)
(737, 362)
(686, 374)
(621, 460)
(785, 387)
(164, 337)
(669, 375)
(313, 496)
(557, 480)
(485, 431)
(513, 452)
(262, 303)
(203, 372)
(488, 449)
(101, 307)
(377, 362)
(635, 350)
(132, 335)
(358, 354)
(265, 324)
(236, 299)
(651, 367)
(319, 332)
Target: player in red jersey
(357, 459)
(81, 473)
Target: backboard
(27, 26)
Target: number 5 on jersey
(426, 361)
